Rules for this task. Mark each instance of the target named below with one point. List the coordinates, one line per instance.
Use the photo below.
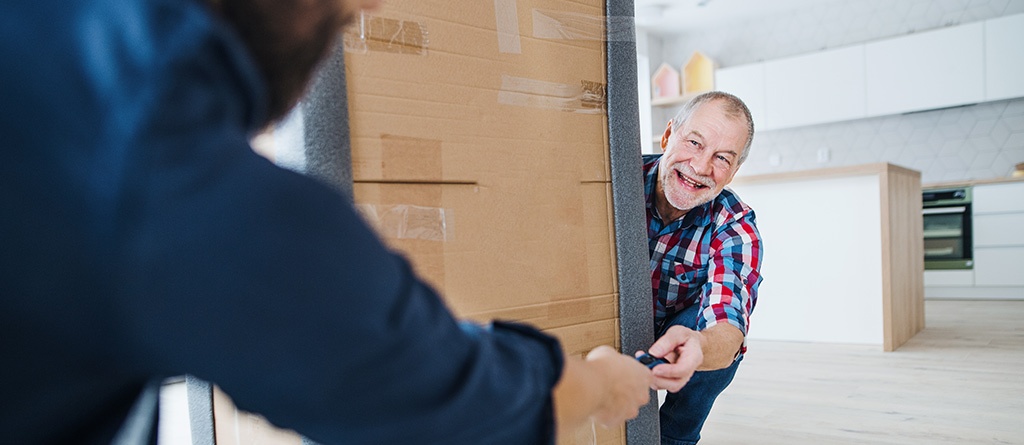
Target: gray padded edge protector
(328, 154)
(200, 410)
(636, 325)
(327, 149)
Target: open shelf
(670, 101)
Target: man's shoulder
(728, 206)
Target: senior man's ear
(665, 136)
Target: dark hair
(734, 107)
(287, 39)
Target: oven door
(947, 237)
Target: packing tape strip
(410, 222)
(506, 19)
(387, 35)
(560, 25)
(589, 97)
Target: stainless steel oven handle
(942, 210)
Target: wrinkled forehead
(719, 106)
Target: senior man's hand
(683, 349)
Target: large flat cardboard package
(480, 151)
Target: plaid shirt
(718, 240)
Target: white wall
(973, 142)
(643, 72)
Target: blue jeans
(684, 412)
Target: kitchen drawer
(999, 229)
(998, 198)
(943, 278)
(998, 266)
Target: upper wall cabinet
(959, 65)
(924, 71)
(826, 86)
(1004, 57)
(747, 83)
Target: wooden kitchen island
(843, 254)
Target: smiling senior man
(705, 258)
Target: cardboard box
(480, 151)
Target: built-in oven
(947, 229)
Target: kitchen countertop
(863, 169)
(971, 182)
(852, 170)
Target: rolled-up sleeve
(730, 294)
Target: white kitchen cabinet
(999, 230)
(952, 66)
(998, 220)
(1004, 58)
(875, 288)
(826, 86)
(747, 83)
(941, 278)
(933, 69)
(999, 266)
(998, 198)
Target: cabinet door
(826, 86)
(1004, 59)
(998, 266)
(998, 198)
(948, 278)
(747, 83)
(923, 71)
(999, 230)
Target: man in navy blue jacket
(141, 238)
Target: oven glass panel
(943, 248)
(947, 229)
(946, 234)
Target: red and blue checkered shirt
(711, 257)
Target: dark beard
(288, 39)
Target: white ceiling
(673, 16)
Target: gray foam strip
(200, 410)
(328, 149)
(328, 154)
(636, 326)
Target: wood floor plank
(959, 381)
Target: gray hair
(734, 108)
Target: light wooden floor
(960, 381)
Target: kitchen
(450, 119)
(966, 137)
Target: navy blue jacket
(140, 237)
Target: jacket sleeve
(270, 285)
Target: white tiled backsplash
(971, 142)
